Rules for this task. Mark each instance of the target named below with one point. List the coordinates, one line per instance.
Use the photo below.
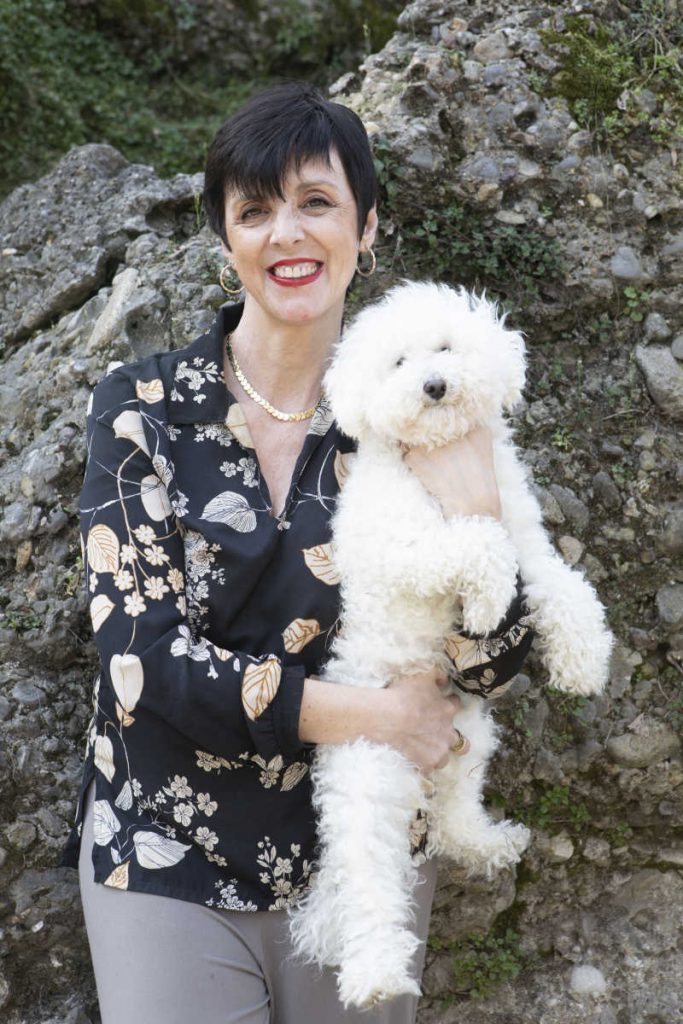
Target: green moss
(606, 66)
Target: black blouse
(208, 613)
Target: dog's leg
(358, 913)
(567, 616)
(459, 826)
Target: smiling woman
(212, 476)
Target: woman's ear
(370, 229)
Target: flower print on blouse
(208, 612)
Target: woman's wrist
(337, 713)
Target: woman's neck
(284, 362)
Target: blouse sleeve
(224, 701)
(485, 664)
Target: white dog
(424, 366)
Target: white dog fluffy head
(424, 365)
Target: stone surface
(104, 262)
(664, 378)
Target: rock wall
(488, 179)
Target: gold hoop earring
(371, 271)
(230, 291)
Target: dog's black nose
(435, 387)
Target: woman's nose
(286, 226)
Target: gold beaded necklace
(253, 393)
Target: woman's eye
(317, 201)
(401, 361)
(250, 212)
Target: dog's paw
(489, 849)
(365, 994)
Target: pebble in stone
(670, 539)
(655, 742)
(492, 48)
(605, 490)
(677, 346)
(656, 328)
(669, 602)
(574, 509)
(571, 549)
(587, 980)
(626, 265)
(663, 376)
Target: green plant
(22, 621)
(555, 806)
(636, 303)
(562, 439)
(483, 963)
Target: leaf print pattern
(259, 686)
(205, 632)
(299, 633)
(319, 561)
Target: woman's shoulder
(169, 376)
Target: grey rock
(669, 601)
(625, 264)
(21, 834)
(669, 541)
(491, 48)
(664, 378)
(605, 490)
(654, 742)
(572, 506)
(656, 327)
(677, 347)
(587, 980)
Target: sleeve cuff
(516, 609)
(276, 731)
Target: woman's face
(296, 256)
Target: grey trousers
(159, 960)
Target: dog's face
(424, 365)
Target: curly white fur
(409, 577)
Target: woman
(210, 481)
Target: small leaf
(299, 633)
(155, 851)
(100, 609)
(319, 561)
(128, 424)
(294, 774)
(105, 823)
(237, 424)
(103, 549)
(221, 653)
(118, 879)
(104, 757)
(232, 509)
(127, 676)
(125, 798)
(259, 685)
(155, 498)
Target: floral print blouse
(208, 613)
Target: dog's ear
(344, 388)
(512, 367)
(510, 353)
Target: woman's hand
(460, 475)
(419, 720)
(412, 714)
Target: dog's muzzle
(435, 387)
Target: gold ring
(457, 747)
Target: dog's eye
(445, 348)
(401, 361)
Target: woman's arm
(411, 714)
(224, 701)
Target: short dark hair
(275, 130)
